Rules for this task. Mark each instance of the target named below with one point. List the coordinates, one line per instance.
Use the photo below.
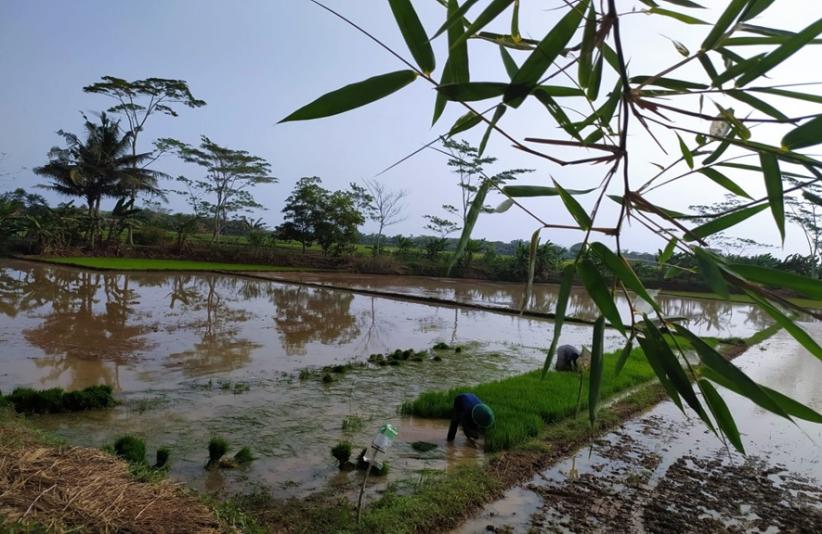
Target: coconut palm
(100, 166)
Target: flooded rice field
(704, 316)
(196, 355)
(664, 472)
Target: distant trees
(229, 176)
(441, 227)
(315, 214)
(385, 208)
(137, 101)
(98, 166)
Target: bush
(149, 236)
(163, 454)
(217, 447)
(243, 456)
(131, 448)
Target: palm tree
(100, 166)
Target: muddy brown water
(664, 472)
(175, 346)
(705, 317)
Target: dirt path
(664, 472)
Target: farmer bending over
(470, 413)
(567, 356)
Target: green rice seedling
(437, 358)
(407, 353)
(30, 401)
(327, 378)
(91, 398)
(162, 456)
(131, 448)
(523, 404)
(458, 349)
(352, 423)
(217, 447)
(394, 362)
(225, 386)
(243, 456)
(340, 369)
(342, 452)
(423, 446)
(305, 374)
(241, 387)
(441, 346)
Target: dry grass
(62, 488)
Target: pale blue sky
(256, 61)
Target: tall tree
(138, 100)
(385, 208)
(101, 165)
(230, 174)
(302, 210)
(806, 212)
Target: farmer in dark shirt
(470, 413)
(567, 356)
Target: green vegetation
(217, 447)
(162, 457)
(423, 446)
(342, 452)
(523, 404)
(144, 264)
(55, 400)
(131, 448)
(243, 456)
(745, 299)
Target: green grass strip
(145, 264)
(523, 404)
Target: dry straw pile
(64, 488)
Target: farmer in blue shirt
(470, 413)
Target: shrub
(149, 235)
(163, 454)
(217, 447)
(131, 448)
(342, 452)
(243, 456)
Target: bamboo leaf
(557, 113)
(414, 34)
(669, 251)
(455, 16)
(623, 356)
(707, 265)
(622, 270)
(792, 407)
(685, 3)
(596, 78)
(686, 152)
(805, 135)
(725, 21)
(498, 113)
(515, 22)
(566, 281)
(788, 94)
(354, 95)
(504, 206)
(471, 91)
(722, 414)
(723, 223)
(730, 373)
(464, 123)
(456, 67)
(651, 351)
(545, 53)
(598, 291)
(674, 371)
(754, 8)
(681, 17)
(724, 181)
(508, 62)
(809, 287)
(783, 52)
(668, 83)
(488, 14)
(792, 328)
(759, 104)
(532, 263)
(596, 368)
(773, 185)
(558, 90)
(585, 63)
(539, 191)
(470, 220)
(577, 212)
(813, 198)
(723, 146)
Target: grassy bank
(146, 264)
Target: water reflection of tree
(84, 343)
(218, 321)
(306, 314)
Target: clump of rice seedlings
(131, 448)
(352, 423)
(225, 386)
(162, 456)
(305, 374)
(4, 401)
(441, 346)
(241, 387)
(91, 398)
(243, 456)
(217, 447)
(342, 452)
(328, 378)
(55, 400)
(457, 349)
(423, 446)
(437, 358)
